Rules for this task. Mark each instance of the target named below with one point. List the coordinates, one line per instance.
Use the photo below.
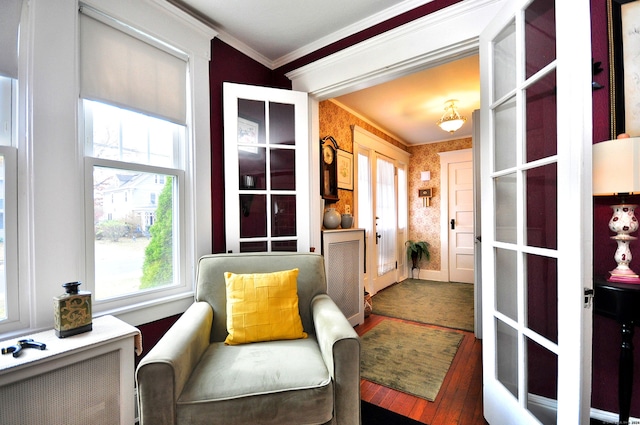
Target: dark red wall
(229, 65)
(606, 332)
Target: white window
(9, 286)
(13, 303)
(134, 108)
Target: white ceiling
(276, 32)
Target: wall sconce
(616, 171)
(451, 120)
(247, 182)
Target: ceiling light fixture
(451, 120)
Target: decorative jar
(72, 311)
(331, 219)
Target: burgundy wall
(229, 65)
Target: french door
(537, 212)
(381, 199)
(385, 221)
(266, 148)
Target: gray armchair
(192, 377)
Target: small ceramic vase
(331, 218)
(347, 221)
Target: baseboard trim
(547, 404)
(610, 417)
(436, 275)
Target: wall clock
(328, 168)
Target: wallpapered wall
(337, 122)
(424, 223)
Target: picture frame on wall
(345, 170)
(624, 66)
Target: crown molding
(418, 45)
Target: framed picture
(247, 135)
(345, 170)
(624, 66)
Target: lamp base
(621, 277)
(623, 222)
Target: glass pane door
(526, 253)
(266, 155)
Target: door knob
(378, 236)
(453, 224)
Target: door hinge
(396, 264)
(588, 297)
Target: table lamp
(616, 171)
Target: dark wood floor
(460, 398)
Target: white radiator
(78, 380)
(87, 392)
(343, 252)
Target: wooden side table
(621, 302)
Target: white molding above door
(440, 37)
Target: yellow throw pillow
(263, 307)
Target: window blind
(10, 11)
(123, 70)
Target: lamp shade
(616, 167)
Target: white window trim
(51, 194)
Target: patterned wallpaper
(424, 223)
(337, 122)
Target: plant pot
(368, 304)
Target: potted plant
(417, 250)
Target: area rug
(447, 304)
(408, 357)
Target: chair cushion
(262, 307)
(274, 382)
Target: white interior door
(461, 233)
(536, 171)
(266, 149)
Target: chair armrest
(340, 347)
(163, 372)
